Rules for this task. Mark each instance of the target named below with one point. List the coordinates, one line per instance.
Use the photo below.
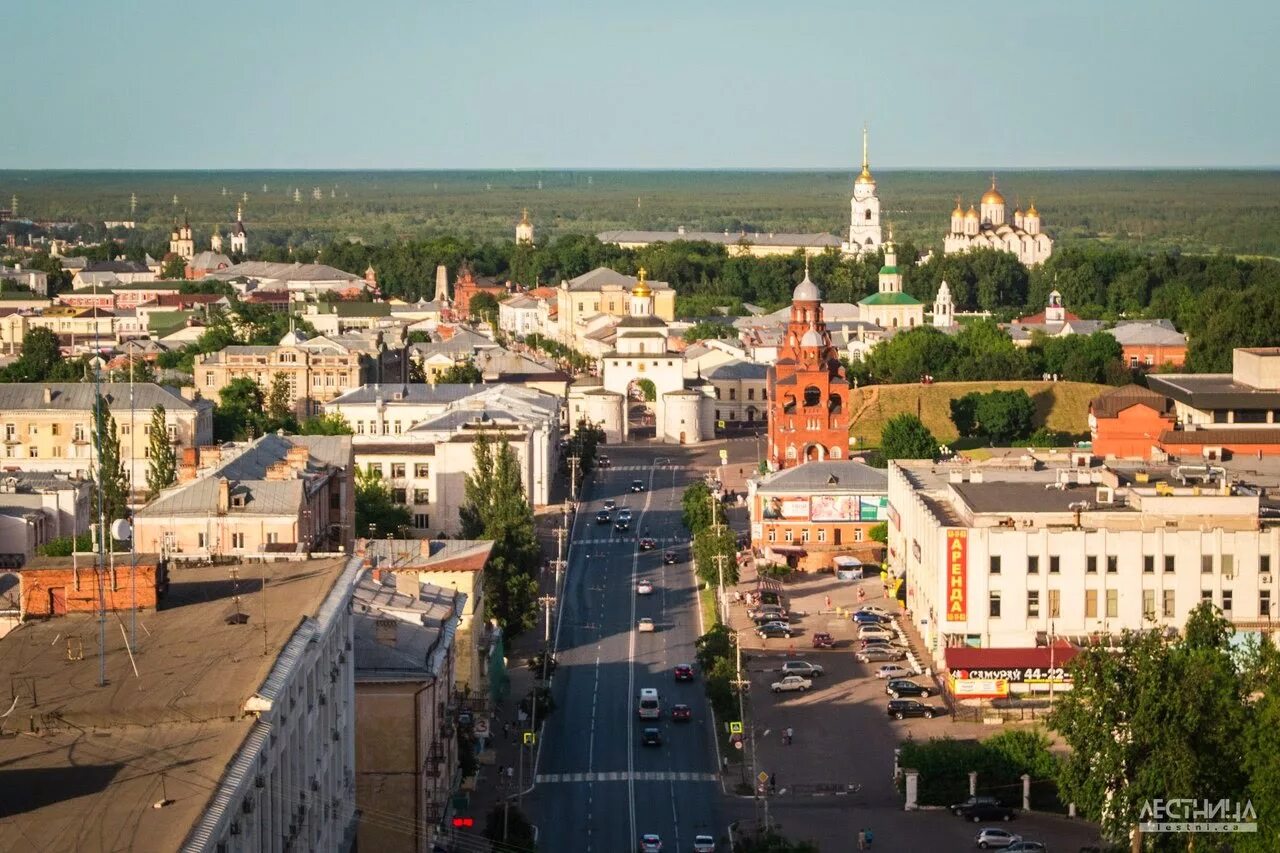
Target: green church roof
(888, 270)
(890, 299)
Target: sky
(788, 84)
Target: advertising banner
(873, 509)
(979, 688)
(1018, 675)
(791, 508)
(834, 508)
(957, 575)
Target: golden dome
(971, 213)
(1031, 211)
(865, 177)
(959, 211)
(992, 196)
(641, 288)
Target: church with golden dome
(864, 211)
(989, 227)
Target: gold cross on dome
(641, 273)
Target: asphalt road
(597, 789)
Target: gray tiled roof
(817, 476)
(79, 396)
(285, 272)
(604, 277)
(737, 369)
(1148, 332)
(424, 627)
(732, 238)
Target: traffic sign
(762, 776)
(735, 727)
(724, 456)
(737, 744)
(530, 738)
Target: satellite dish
(121, 530)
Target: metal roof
(829, 476)
(79, 396)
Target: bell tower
(864, 210)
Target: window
(788, 535)
(1091, 604)
(237, 540)
(397, 470)
(77, 432)
(359, 427)
(33, 453)
(400, 496)
(717, 392)
(1206, 595)
(273, 538)
(55, 429)
(1033, 604)
(1206, 564)
(995, 565)
(1055, 604)
(751, 393)
(804, 534)
(1149, 604)
(1166, 604)
(1264, 603)
(421, 520)
(1113, 564)
(208, 377)
(822, 534)
(1264, 564)
(1054, 565)
(1228, 566)
(10, 432)
(422, 496)
(1033, 565)
(422, 470)
(1148, 564)
(857, 534)
(1113, 603)
(397, 427)
(1226, 601)
(374, 469)
(773, 535)
(993, 605)
(199, 540)
(1091, 564)
(1169, 564)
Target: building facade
(35, 509)
(603, 291)
(890, 308)
(990, 228)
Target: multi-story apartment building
(36, 281)
(79, 330)
(48, 426)
(290, 494)
(316, 369)
(244, 741)
(37, 508)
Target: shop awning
(787, 549)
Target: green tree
(647, 388)
(583, 444)
(278, 406)
(964, 413)
(1002, 417)
(715, 550)
(162, 469)
(173, 268)
(109, 476)
(698, 505)
(377, 513)
(331, 424)
(239, 413)
(906, 437)
(484, 306)
(63, 546)
(911, 355)
(461, 373)
(771, 841)
(709, 329)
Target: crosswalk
(644, 468)
(624, 776)
(661, 540)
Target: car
(604, 462)
(647, 544)
(602, 517)
(669, 558)
(868, 632)
(790, 683)
(624, 514)
(993, 837)
(622, 526)
(894, 670)
(684, 672)
(704, 844)
(890, 642)
(1026, 847)
(971, 801)
(650, 707)
(766, 618)
(823, 640)
(650, 843)
(637, 485)
(877, 610)
(900, 688)
(651, 736)
(610, 503)
(645, 625)
(900, 708)
(644, 588)
(681, 713)
(870, 619)
(773, 629)
(801, 667)
(987, 811)
(766, 610)
(877, 654)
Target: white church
(864, 211)
(990, 228)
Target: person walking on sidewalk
(862, 839)
(869, 837)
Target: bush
(945, 763)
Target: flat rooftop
(994, 497)
(84, 764)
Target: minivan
(649, 708)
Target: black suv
(603, 517)
(651, 737)
(899, 708)
(900, 687)
(980, 800)
(983, 812)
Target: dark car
(622, 525)
(684, 672)
(901, 688)
(669, 558)
(766, 618)
(823, 640)
(978, 800)
(603, 462)
(864, 618)
(637, 485)
(651, 736)
(900, 708)
(647, 544)
(681, 713)
(773, 629)
(986, 811)
(602, 517)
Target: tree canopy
(906, 437)
(162, 467)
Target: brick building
(56, 586)
(808, 392)
(469, 284)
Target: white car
(644, 588)
(993, 837)
(650, 843)
(875, 632)
(790, 683)
(646, 626)
(872, 608)
(704, 844)
(894, 670)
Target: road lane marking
(627, 776)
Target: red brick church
(808, 391)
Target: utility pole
(546, 601)
(716, 514)
(573, 478)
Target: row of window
(79, 432)
(1225, 562)
(378, 427)
(1111, 603)
(421, 470)
(751, 393)
(789, 534)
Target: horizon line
(642, 169)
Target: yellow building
(604, 292)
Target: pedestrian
(502, 774)
(511, 773)
(506, 731)
(828, 602)
(862, 839)
(870, 838)
(773, 783)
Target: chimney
(48, 395)
(386, 632)
(224, 495)
(298, 456)
(190, 464)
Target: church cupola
(993, 205)
(641, 296)
(944, 308)
(1054, 312)
(957, 218)
(890, 277)
(864, 210)
(1031, 221)
(524, 228)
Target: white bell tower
(864, 210)
(944, 308)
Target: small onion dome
(1031, 211)
(971, 213)
(959, 211)
(806, 291)
(811, 338)
(865, 176)
(992, 196)
(641, 289)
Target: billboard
(833, 508)
(791, 508)
(873, 509)
(979, 688)
(957, 575)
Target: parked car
(879, 654)
(681, 713)
(646, 626)
(791, 683)
(647, 544)
(650, 843)
(870, 632)
(871, 619)
(994, 838)
(876, 609)
(604, 462)
(602, 517)
(765, 618)
(773, 629)
(987, 811)
(979, 800)
(610, 503)
(823, 640)
(1026, 847)
(644, 588)
(704, 844)
(684, 672)
(894, 670)
(801, 667)
(669, 558)
(761, 609)
(900, 688)
(900, 708)
(637, 485)
(651, 736)
(891, 643)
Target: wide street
(597, 788)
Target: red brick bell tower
(808, 391)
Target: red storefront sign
(957, 575)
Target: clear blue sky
(641, 84)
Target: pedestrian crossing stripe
(624, 776)
(645, 468)
(661, 540)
